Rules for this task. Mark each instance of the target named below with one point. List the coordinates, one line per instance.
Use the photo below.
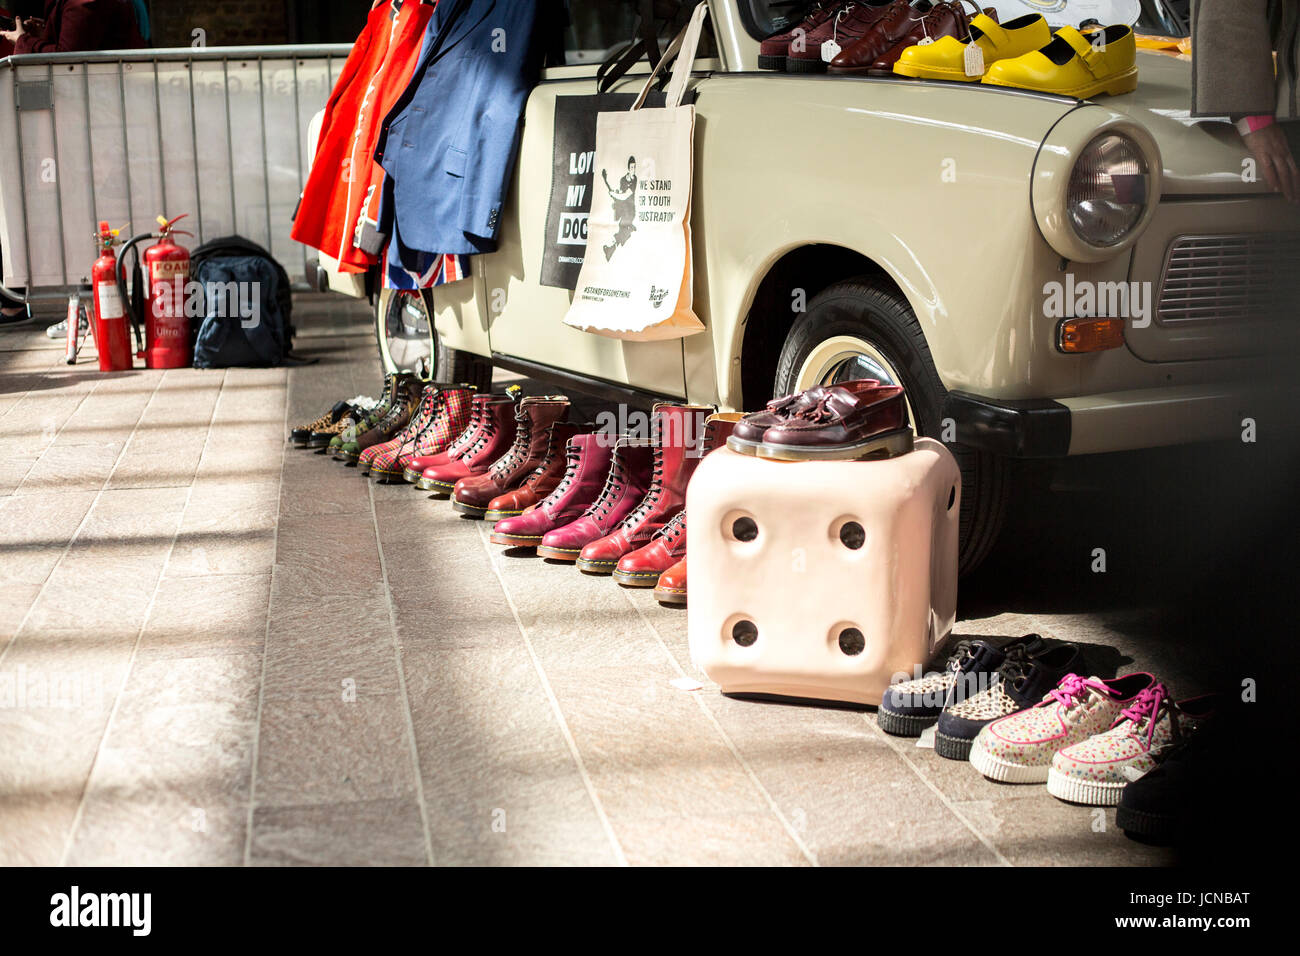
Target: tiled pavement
(233, 652)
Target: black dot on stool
(744, 633)
(952, 497)
(744, 529)
(852, 642)
(853, 536)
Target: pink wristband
(1251, 124)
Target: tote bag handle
(687, 42)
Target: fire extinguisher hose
(134, 304)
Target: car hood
(1203, 156)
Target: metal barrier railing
(220, 133)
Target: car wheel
(403, 330)
(409, 342)
(865, 328)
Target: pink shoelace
(1073, 689)
(1146, 708)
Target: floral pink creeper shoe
(1019, 748)
(1096, 771)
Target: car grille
(1230, 279)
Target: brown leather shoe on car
(852, 420)
(849, 23)
(773, 51)
(878, 49)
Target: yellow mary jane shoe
(1074, 65)
(950, 59)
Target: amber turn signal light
(1089, 335)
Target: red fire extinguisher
(112, 337)
(167, 328)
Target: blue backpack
(248, 306)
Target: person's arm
(1272, 153)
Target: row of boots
(610, 504)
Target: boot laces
(463, 440)
(574, 457)
(487, 428)
(519, 450)
(613, 489)
(673, 530)
(654, 493)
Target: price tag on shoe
(830, 50)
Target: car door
(525, 312)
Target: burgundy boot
(588, 462)
(534, 418)
(678, 448)
(671, 588)
(631, 467)
(496, 433)
(642, 568)
(544, 479)
(414, 469)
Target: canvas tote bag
(635, 282)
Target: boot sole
(437, 487)
(515, 540)
(794, 64)
(596, 567)
(411, 476)
(954, 748)
(1004, 771)
(903, 725)
(670, 596)
(889, 445)
(470, 511)
(637, 579)
(501, 515)
(1154, 826)
(385, 477)
(1067, 788)
(558, 554)
(771, 63)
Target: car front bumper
(1117, 421)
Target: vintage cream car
(937, 235)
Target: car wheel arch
(772, 307)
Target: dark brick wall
(256, 22)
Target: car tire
(873, 312)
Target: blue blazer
(449, 143)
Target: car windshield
(762, 18)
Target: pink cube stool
(821, 580)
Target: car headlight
(1096, 184)
(1107, 194)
